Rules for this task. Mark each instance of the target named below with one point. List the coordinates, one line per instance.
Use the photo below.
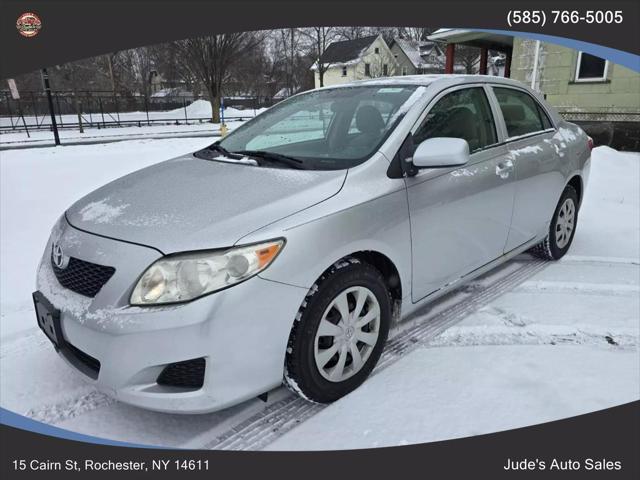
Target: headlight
(185, 276)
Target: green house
(600, 96)
(603, 97)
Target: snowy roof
(416, 51)
(347, 50)
(472, 37)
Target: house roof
(416, 51)
(346, 50)
(474, 38)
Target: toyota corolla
(288, 249)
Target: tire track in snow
(261, 429)
(29, 341)
(71, 408)
(471, 338)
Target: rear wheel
(340, 332)
(561, 229)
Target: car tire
(562, 228)
(329, 356)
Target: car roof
(425, 80)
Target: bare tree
(134, 69)
(285, 54)
(255, 74)
(414, 33)
(319, 38)
(69, 74)
(468, 57)
(210, 58)
(352, 33)
(388, 33)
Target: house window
(590, 68)
(404, 70)
(344, 71)
(367, 70)
(377, 50)
(385, 70)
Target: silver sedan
(289, 248)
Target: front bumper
(241, 332)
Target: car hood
(190, 204)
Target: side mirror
(440, 152)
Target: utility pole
(111, 77)
(47, 89)
(74, 85)
(291, 63)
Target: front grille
(82, 277)
(84, 362)
(188, 374)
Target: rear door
(534, 150)
(460, 217)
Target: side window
(461, 114)
(522, 114)
(546, 123)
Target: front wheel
(561, 229)
(340, 332)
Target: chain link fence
(104, 109)
(98, 109)
(604, 116)
(619, 130)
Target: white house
(417, 57)
(358, 59)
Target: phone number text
(540, 17)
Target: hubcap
(347, 334)
(565, 223)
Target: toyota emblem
(58, 256)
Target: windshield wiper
(219, 148)
(207, 153)
(274, 157)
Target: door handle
(503, 169)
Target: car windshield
(327, 129)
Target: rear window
(522, 114)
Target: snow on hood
(190, 204)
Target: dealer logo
(28, 24)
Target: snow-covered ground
(197, 115)
(562, 342)
(94, 135)
(199, 109)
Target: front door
(460, 217)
